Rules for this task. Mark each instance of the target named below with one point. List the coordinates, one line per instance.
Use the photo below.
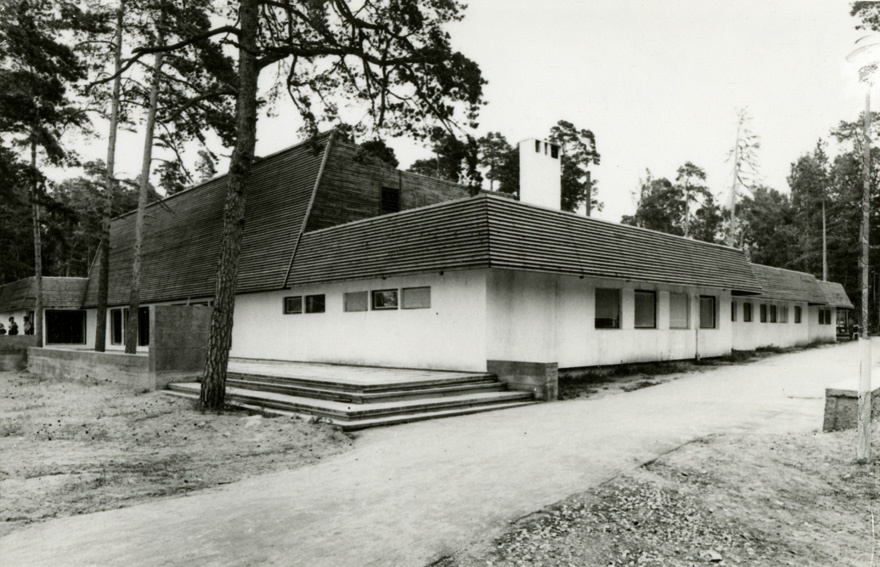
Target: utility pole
(864, 425)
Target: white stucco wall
(450, 335)
(537, 317)
(753, 335)
(822, 333)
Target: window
(315, 303)
(143, 338)
(354, 301)
(607, 308)
(772, 313)
(554, 151)
(797, 313)
(66, 327)
(733, 310)
(821, 316)
(824, 316)
(707, 312)
(116, 326)
(763, 312)
(390, 200)
(416, 298)
(293, 305)
(646, 310)
(384, 299)
(783, 314)
(747, 312)
(678, 311)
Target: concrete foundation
(842, 406)
(127, 369)
(540, 378)
(13, 351)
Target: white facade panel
(450, 335)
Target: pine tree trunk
(109, 190)
(134, 298)
(213, 390)
(38, 252)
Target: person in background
(28, 326)
(13, 326)
(2, 329)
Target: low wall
(130, 370)
(842, 407)
(13, 351)
(542, 379)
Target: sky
(658, 82)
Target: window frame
(403, 296)
(389, 195)
(375, 293)
(714, 302)
(289, 311)
(687, 310)
(774, 313)
(748, 312)
(763, 308)
(733, 311)
(798, 314)
(351, 294)
(644, 293)
(615, 321)
(309, 302)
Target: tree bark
(109, 190)
(213, 389)
(134, 298)
(731, 230)
(38, 250)
(864, 422)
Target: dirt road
(407, 495)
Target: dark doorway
(66, 327)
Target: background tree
(454, 160)
(690, 183)
(744, 156)
(578, 153)
(37, 70)
(495, 153)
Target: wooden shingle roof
(58, 293)
(182, 235)
(789, 285)
(835, 295)
(488, 231)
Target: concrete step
(349, 412)
(342, 386)
(296, 388)
(358, 424)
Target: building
(347, 260)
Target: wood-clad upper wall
(351, 188)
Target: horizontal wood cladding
(789, 285)
(58, 293)
(351, 188)
(183, 233)
(490, 231)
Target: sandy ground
(796, 499)
(72, 448)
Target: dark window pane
(707, 312)
(315, 303)
(607, 308)
(763, 312)
(143, 326)
(293, 305)
(116, 326)
(747, 312)
(390, 200)
(797, 314)
(66, 327)
(732, 310)
(646, 310)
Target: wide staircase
(352, 405)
